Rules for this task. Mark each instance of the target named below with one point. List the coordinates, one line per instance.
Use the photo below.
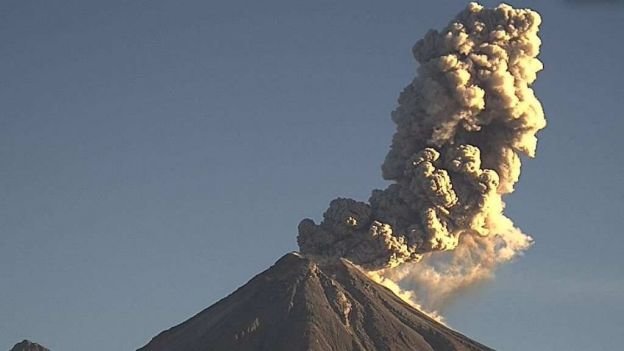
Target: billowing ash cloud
(462, 125)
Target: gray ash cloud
(463, 124)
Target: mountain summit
(28, 346)
(307, 305)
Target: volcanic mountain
(305, 304)
(28, 346)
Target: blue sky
(155, 155)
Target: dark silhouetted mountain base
(28, 346)
(301, 305)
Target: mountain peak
(303, 303)
(27, 345)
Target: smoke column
(463, 124)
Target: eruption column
(462, 125)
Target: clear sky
(155, 155)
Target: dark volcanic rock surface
(301, 305)
(28, 346)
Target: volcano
(307, 304)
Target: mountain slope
(299, 304)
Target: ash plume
(463, 124)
